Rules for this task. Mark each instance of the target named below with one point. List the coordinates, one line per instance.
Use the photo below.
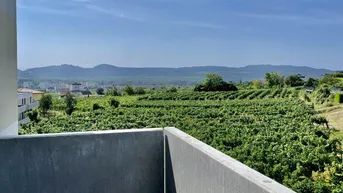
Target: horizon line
(57, 65)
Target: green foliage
(100, 91)
(70, 103)
(274, 79)
(329, 79)
(339, 98)
(294, 80)
(173, 89)
(33, 116)
(338, 74)
(114, 103)
(322, 94)
(235, 95)
(45, 104)
(215, 82)
(256, 84)
(96, 106)
(311, 82)
(113, 92)
(139, 91)
(305, 96)
(128, 90)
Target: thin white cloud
(115, 13)
(47, 10)
(198, 24)
(296, 18)
(81, 7)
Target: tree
(114, 103)
(100, 91)
(45, 104)
(274, 79)
(311, 82)
(139, 91)
(338, 74)
(33, 116)
(113, 92)
(215, 82)
(173, 89)
(256, 84)
(128, 90)
(294, 80)
(70, 103)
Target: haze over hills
(182, 74)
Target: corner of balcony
(123, 161)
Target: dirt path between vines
(335, 117)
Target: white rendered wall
(8, 68)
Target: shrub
(173, 89)
(33, 116)
(113, 92)
(339, 98)
(114, 103)
(139, 91)
(96, 106)
(128, 90)
(322, 94)
(306, 97)
(311, 82)
(100, 91)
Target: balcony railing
(23, 121)
(27, 107)
(123, 161)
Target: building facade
(37, 95)
(76, 87)
(8, 68)
(26, 103)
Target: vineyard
(244, 94)
(276, 134)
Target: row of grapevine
(244, 94)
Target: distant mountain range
(166, 75)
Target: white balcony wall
(8, 68)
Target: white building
(25, 103)
(76, 87)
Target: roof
(27, 90)
(64, 92)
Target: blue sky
(174, 33)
